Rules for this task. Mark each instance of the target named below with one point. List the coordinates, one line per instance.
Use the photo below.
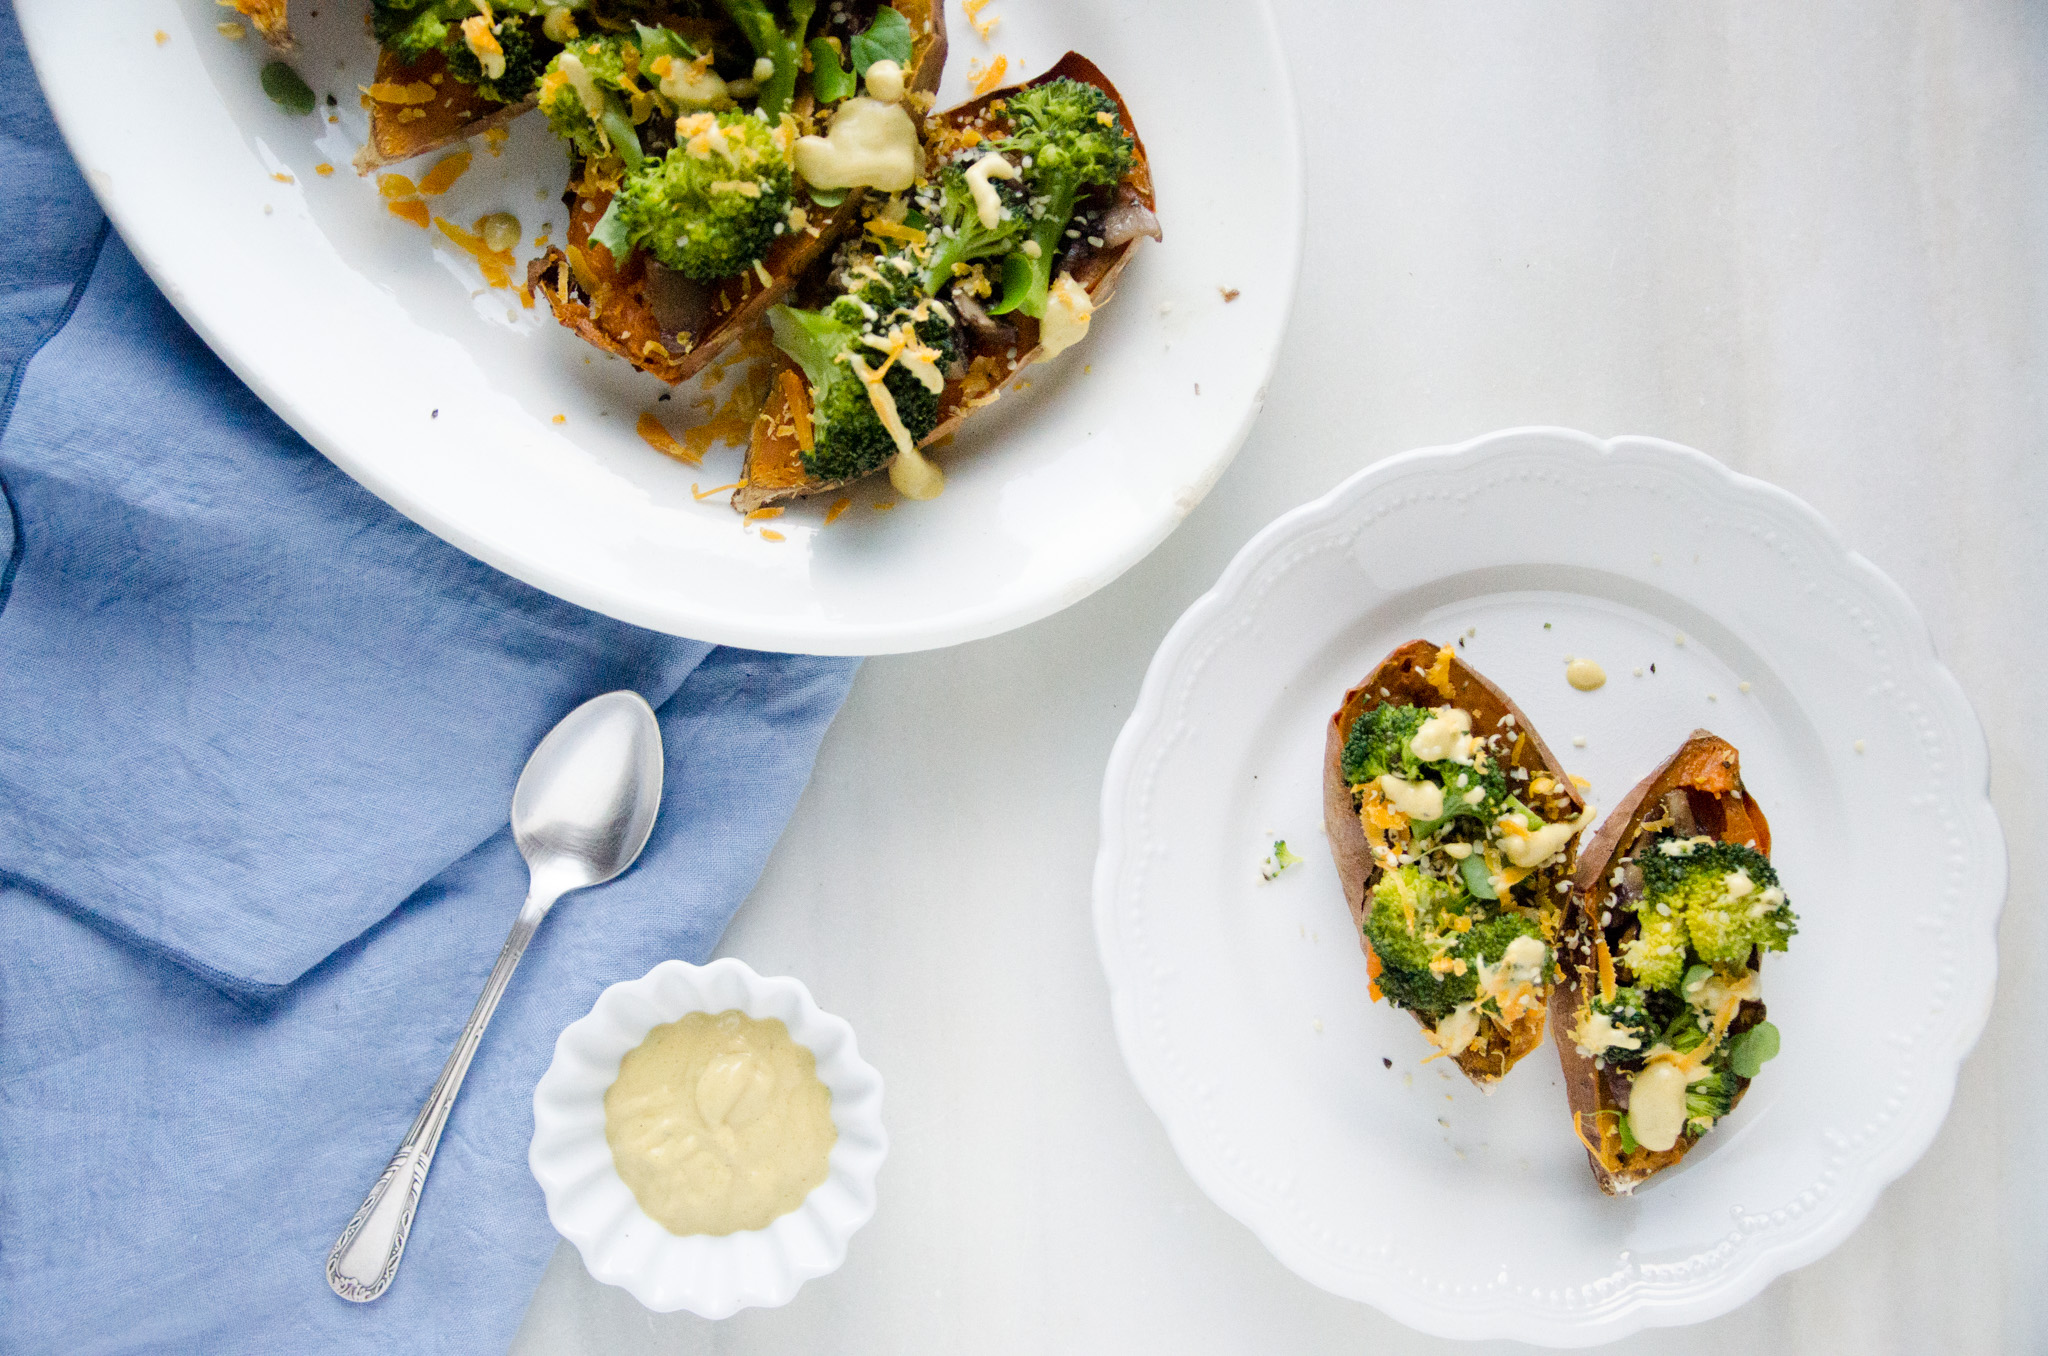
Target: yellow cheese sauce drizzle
(719, 1124)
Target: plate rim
(1862, 1181)
(688, 615)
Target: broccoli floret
(1067, 137)
(1657, 955)
(1412, 917)
(780, 39)
(524, 57)
(1434, 994)
(889, 290)
(1426, 993)
(1472, 792)
(1282, 858)
(1408, 913)
(1629, 1012)
(410, 29)
(848, 437)
(1488, 941)
(959, 237)
(1727, 895)
(1379, 743)
(605, 60)
(1711, 1098)
(709, 208)
(603, 57)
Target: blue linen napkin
(258, 735)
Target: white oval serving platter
(1711, 599)
(380, 343)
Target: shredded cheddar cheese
(655, 436)
(762, 514)
(770, 534)
(698, 441)
(839, 506)
(981, 79)
(410, 209)
(983, 26)
(443, 175)
(890, 230)
(390, 92)
(495, 264)
(1439, 673)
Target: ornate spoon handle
(365, 1257)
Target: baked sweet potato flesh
(1708, 770)
(454, 111)
(670, 326)
(774, 468)
(1422, 674)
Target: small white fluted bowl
(592, 1206)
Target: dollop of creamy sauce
(988, 204)
(1596, 1034)
(719, 1124)
(579, 78)
(870, 144)
(1656, 1104)
(916, 476)
(1417, 800)
(690, 83)
(885, 81)
(1456, 1031)
(1584, 674)
(1445, 735)
(560, 24)
(1068, 309)
(1538, 846)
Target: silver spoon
(580, 814)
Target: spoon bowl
(586, 802)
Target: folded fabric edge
(16, 541)
(254, 996)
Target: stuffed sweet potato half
(1454, 833)
(696, 201)
(1030, 203)
(1659, 1022)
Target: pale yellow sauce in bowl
(708, 1138)
(719, 1124)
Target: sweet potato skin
(1706, 766)
(1400, 674)
(617, 318)
(774, 468)
(455, 112)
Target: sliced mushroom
(1127, 219)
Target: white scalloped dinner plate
(355, 327)
(1304, 1109)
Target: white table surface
(1810, 239)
